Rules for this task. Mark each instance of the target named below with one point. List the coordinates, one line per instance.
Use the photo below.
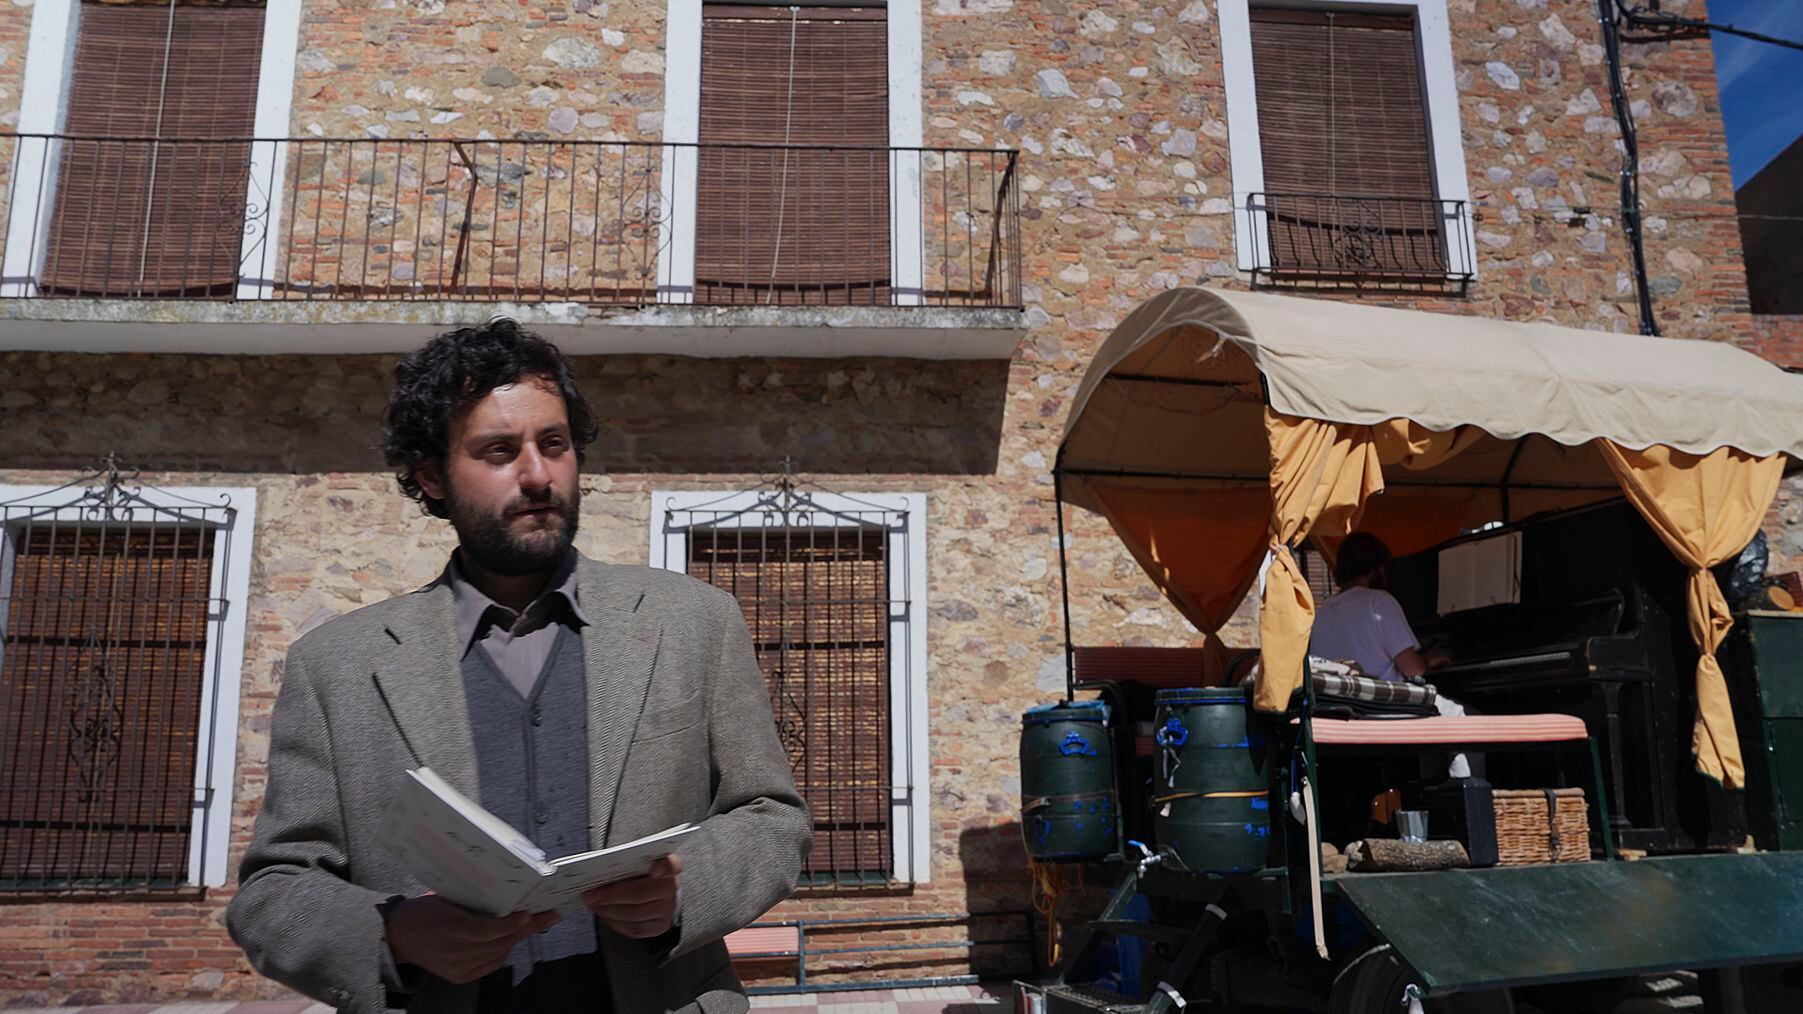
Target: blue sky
(1761, 84)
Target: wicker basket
(1541, 826)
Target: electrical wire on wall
(1630, 163)
(1673, 25)
(1612, 14)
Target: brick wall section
(1779, 339)
(1119, 108)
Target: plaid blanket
(1342, 690)
(1368, 690)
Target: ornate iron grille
(1338, 242)
(108, 618)
(822, 594)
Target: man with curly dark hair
(582, 703)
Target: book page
(587, 870)
(452, 846)
(1484, 572)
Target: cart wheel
(1375, 983)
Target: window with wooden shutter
(103, 644)
(1342, 120)
(818, 605)
(792, 194)
(149, 200)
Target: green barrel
(1211, 794)
(1069, 810)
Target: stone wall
(15, 25)
(333, 534)
(588, 70)
(1119, 110)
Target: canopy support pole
(1508, 472)
(1064, 589)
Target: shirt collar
(472, 605)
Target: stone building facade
(1123, 119)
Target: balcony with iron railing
(623, 246)
(1351, 242)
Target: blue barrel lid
(1200, 695)
(1066, 711)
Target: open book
(474, 858)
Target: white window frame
(1433, 37)
(910, 800)
(216, 745)
(682, 131)
(44, 109)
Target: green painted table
(1525, 925)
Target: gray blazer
(679, 729)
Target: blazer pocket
(665, 719)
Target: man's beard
(492, 545)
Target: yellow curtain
(1410, 445)
(1322, 473)
(1705, 508)
(1201, 546)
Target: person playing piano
(1363, 623)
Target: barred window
(113, 636)
(824, 587)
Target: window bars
(111, 611)
(824, 592)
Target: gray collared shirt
(518, 642)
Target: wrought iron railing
(1338, 241)
(610, 223)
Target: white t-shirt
(1364, 625)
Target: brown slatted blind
(119, 228)
(796, 226)
(1341, 115)
(101, 668)
(817, 603)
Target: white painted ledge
(353, 328)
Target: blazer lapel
(421, 682)
(619, 650)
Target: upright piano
(1599, 632)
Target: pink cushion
(764, 940)
(1450, 730)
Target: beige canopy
(1214, 426)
